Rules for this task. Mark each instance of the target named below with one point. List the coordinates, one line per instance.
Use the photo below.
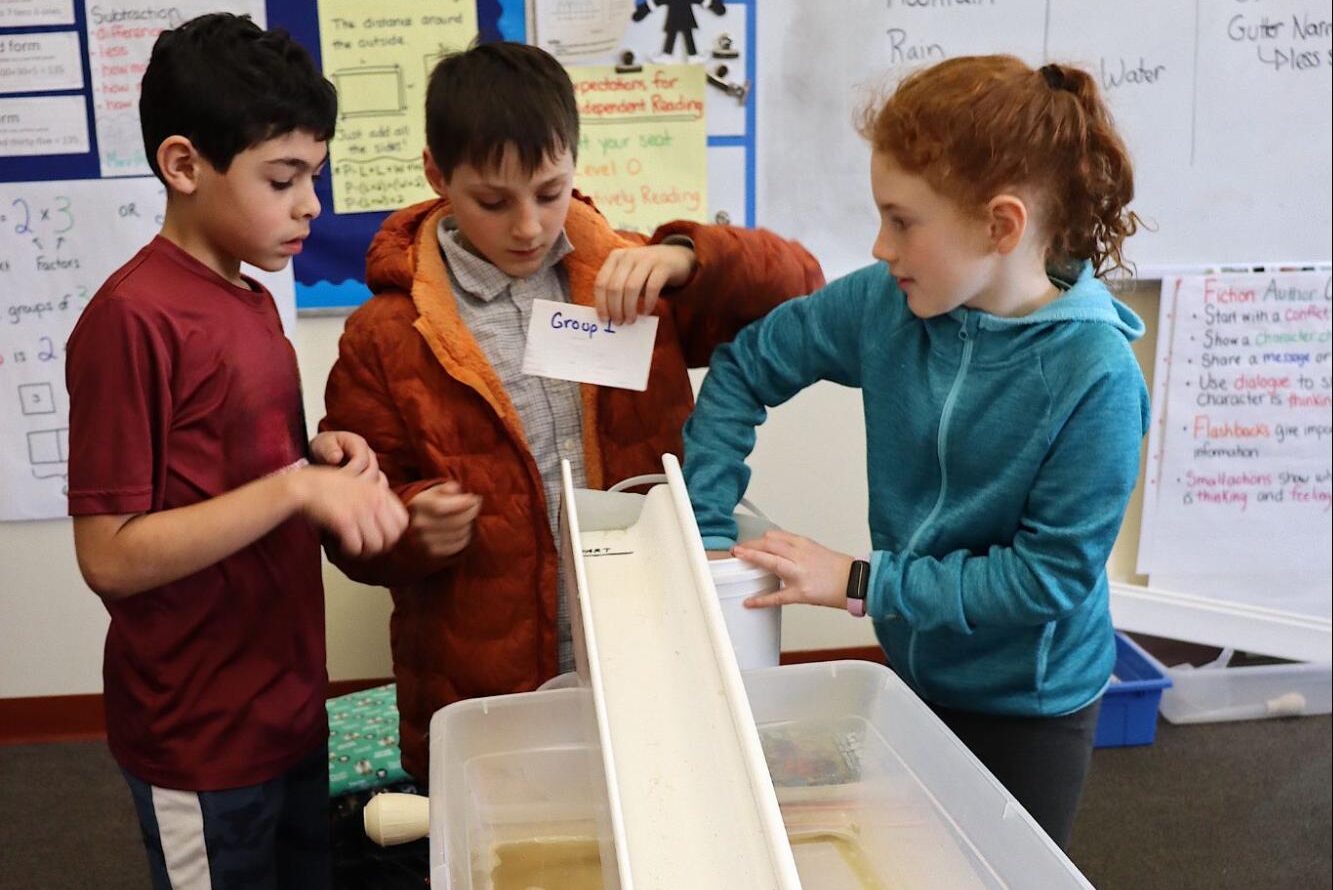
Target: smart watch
(858, 580)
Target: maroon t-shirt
(183, 387)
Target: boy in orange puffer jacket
(429, 373)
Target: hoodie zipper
(941, 446)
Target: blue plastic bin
(1129, 705)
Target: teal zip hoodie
(1000, 455)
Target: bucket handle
(660, 478)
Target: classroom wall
(808, 476)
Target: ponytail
(1090, 218)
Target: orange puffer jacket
(411, 379)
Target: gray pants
(1042, 761)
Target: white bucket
(756, 634)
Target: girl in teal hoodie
(1003, 407)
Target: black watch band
(858, 580)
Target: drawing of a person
(679, 20)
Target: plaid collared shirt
(497, 310)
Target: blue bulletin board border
(328, 274)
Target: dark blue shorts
(270, 836)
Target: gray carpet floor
(1243, 805)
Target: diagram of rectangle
(375, 89)
(48, 446)
(37, 398)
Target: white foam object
(392, 819)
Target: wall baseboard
(853, 653)
(72, 718)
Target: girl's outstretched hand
(810, 572)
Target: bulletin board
(328, 274)
(77, 198)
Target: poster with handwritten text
(58, 242)
(1240, 460)
(26, 13)
(380, 56)
(121, 34)
(643, 144)
(579, 30)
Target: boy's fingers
(635, 286)
(426, 501)
(463, 519)
(618, 295)
(450, 507)
(393, 513)
(459, 504)
(652, 289)
(349, 540)
(390, 527)
(372, 540)
(600, 296)
(604, 289)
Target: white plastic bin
(1216, 694)
(875, 792)
(510, 772)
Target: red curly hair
(976, 126)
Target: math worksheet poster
(379, 56)
(120, 39)
(58, 242)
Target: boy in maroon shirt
(197, 517)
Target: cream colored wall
(809, 476)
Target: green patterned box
(363, 741)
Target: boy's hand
(631, 274)
(442, 518)
(810, 573)
(359, 511)
(340, 448)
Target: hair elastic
(1055, 77)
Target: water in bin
(756, 634)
